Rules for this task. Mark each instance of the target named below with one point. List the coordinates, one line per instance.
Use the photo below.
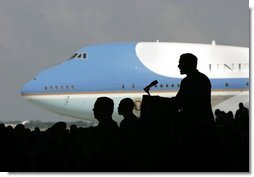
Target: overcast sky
(37, 34)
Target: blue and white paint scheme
(120, 70)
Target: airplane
(119, 70)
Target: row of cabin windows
(167, 85)
(172, 85)
(227, 84)
(156, 86)
(67, 87)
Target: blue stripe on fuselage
(110, 67)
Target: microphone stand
(147, 89)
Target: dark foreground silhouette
(159, 144)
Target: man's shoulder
(197, 72)
(202, 76)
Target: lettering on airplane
(229, 67)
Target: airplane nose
(26, 89)
(31, 87)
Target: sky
(36, 34)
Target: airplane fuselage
(123, 69)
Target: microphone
(147, 88)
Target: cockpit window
(79, 56)
(74, 56)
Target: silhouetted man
(125, 109)
(242, 118)
(194, 96)
(103, 110)
(242, 112)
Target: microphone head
(147, 88)
(154, 83)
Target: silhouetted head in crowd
(37, 129)
(187, 63)
(103, 108)
(59, 126)
(2, 125)
(229, 115)
(217, 112)
(241, 105)
(19, 127)
(126, 106)
(73, 128)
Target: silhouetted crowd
(159, 142)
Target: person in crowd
(103, 110)
(125, 109)
(242, 112)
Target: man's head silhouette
(187, 63)
(103, 108)
(241, 105)
(126, 106)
